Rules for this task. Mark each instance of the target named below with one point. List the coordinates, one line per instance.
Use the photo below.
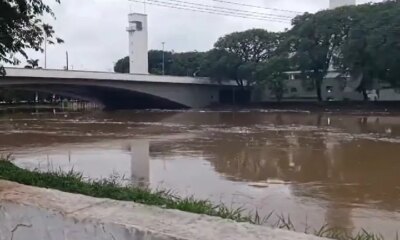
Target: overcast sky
(95, 35)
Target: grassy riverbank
(73, 182)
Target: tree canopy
(176, 64)
(314, 40)
(235, 56)
(220, 65)
(22, 27)
(240, 53)
(32, 63)
(272, 74)
(254, 45)
(361, 41)
(122, 65)
(372, 47)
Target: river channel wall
(318, 107)
(29, 213)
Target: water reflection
(339, 169)
(323, 166)
(140, 163)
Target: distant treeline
(359, 41)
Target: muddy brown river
(317, 168)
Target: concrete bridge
(118, 91)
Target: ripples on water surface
(343, 170)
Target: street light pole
(163, 58)
(45, 51)
(66, 57)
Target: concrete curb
(34, 213)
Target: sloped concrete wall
(28, 213)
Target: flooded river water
(317, 168)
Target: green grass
(73, 182)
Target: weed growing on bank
(74, 182)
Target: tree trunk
(240, 83)
(318, 83)
(233, 95)
(365, 95)
(279, 96)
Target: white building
(138, 43)
(340, 3)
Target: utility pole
(66, 56)
(163, 58)
(45, 51)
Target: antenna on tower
(144, 6)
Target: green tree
(21, 28)
(32, 63)
(246, 72)
(362, 42)
(371, 50)
(156, 61)
(176, 64)
(220, 65)
(254, 45)
(314, 40)
(272, 74)
(122, 65)
(186, 63)
(236, 55)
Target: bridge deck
(72, 74)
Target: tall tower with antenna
(340, 3)
(138, 43)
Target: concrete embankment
(28, 213)
(387, 107)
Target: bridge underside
(110, 98)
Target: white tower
(340, 3)
(138, 46)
